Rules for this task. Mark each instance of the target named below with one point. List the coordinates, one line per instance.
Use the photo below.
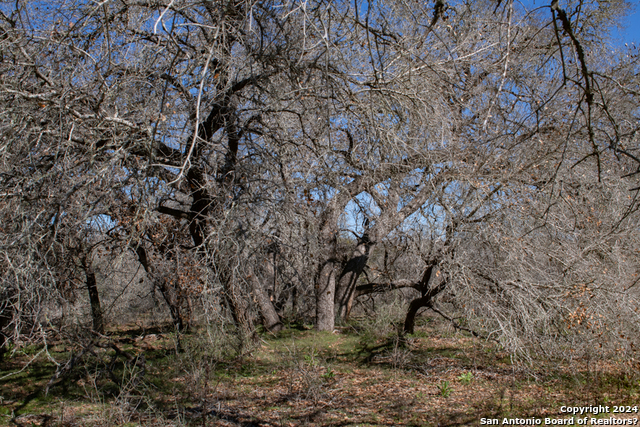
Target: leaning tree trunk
(426, 300)
(267, 310)
(416, 304)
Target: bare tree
(208, 134)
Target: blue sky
(631, 32)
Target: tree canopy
(289, 158)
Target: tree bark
(94, 299)
(410, 319)
(270, 317)
(426, 300)
(7, 313)
(238, 305)
(325, 296)
(94, 296)
(168, 293)
(345, 292)
(378, 288)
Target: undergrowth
(367, 374)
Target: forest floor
(300, 377)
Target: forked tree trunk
(345, 291)
(410, 319)
(426, 300)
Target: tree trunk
(169, 294)
(426, 300)
(94, 297)
(270, 280)
(167, 291)
(94, 300)
(238, 305)
(325, 281)
(325, 296)
(267, 310)
(345, 292)
(416, 304)
(294, 302)
(7, 312)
